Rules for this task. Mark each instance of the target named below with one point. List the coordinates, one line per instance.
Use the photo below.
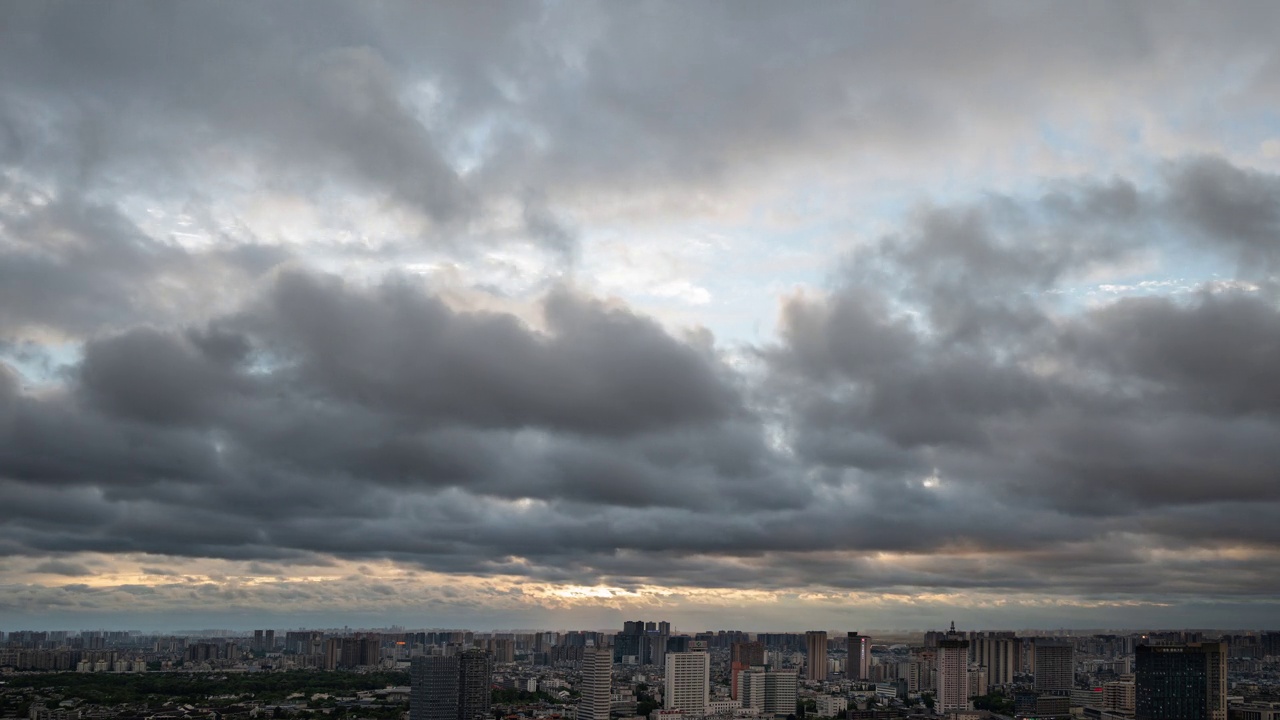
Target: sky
(549, 315)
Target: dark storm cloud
(599, 370)
(326, 417)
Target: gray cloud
(323, 417)
(58, 567)
(208, 386)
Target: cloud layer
(323, 307)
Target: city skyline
(843, 315)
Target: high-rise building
(742, 656)
(859, 665)
(475, 684)
(451, 688)
(953, 674)
(816, 665)
(628, 645)
(434, 691)
(1187, 682)
(772, 692)
(999, 655)
(747, 653)
(1055, 666)
(597, 678)
(688, 685)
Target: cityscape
(646, 671)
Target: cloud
(58, 567)
(1041, 366)
(326, 418)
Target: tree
(928, 700)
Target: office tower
(597, 678)
(953, 675)
(451, 688)
(772, 692)
(816, 665)
(1186, 682)
(1055, 666)
(688, 685)
(433, 694)
(859, 665)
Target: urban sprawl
(646, 671)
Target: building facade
(597, 684)
(953, 675)
(859, 665)
(815, 642)
(451, 688)
(1055, 666)
(772, 692)
(688, 682)
(1186, 682)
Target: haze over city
(553, 315)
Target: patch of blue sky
(41, 364)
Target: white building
(688, 682)
(723, 707)
(831, 705)
(771, 692)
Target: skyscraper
(953, 674)
(434, 691)
(688, 679)
(859, 663)
(1187, 682)
(597, 677)
(816, 665)
(1055, 666)
(451, 688)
